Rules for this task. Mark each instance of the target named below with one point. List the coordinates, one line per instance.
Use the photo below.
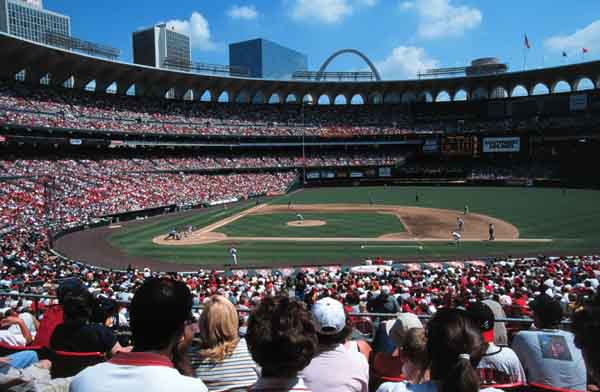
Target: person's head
(455, 347)
(159, 310)
(218, 325)
(586, 326)
(78, 307)
(398, 329)
(547, 312)
(104, 310)
(414, 351)
(69, 286)
(483, 316)
(333, 327)
(282, 336)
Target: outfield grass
(346, 224)
(572, 220)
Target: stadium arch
(584, 83)
(461, 95)
(540, 88)
(561, 86)
(352, 51)
(357, 99)
(443, 96)
(519, 91)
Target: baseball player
(456, 237)
(289, 204)
(491, 231)
(417, 198)
(466, 209)
(460, 224)
(233, 253)
(300, 217)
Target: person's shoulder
(185, 384)
(407, 387)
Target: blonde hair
(219, 324)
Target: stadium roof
(39, 60)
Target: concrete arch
(461, 95)
(584, 83)
(309, 99)
(375, 98)
(561, 86)
(291, 98)
(206, 96)
(443, 96)
(275, 98)
(519, 91)
(242, 96)
(357, 99)
(540, 88)
(425, 96)
(499, 92)
(325, 99)
(479, 93)
(340, 99)
(224, 96)
(392, 97)
(259, 98)
(409, 97)
(353, 51)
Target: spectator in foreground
(222, 360)
(335, 368)
(455, 347)
(78, 334)
(416, 360)
(504, 365)
(586, 326)
(160, 313)
(548, 354)
(282, 338)
(54, 315)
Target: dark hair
(103, 309)
(282, 336)
(451, 333)
(586, 326)
(159, 310)
(78, 308)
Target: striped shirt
(235, 371)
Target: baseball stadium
(315, 209)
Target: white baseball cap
(330, 316)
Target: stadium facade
(266, 59)
(159, 45)
(29, 20)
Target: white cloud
(588, 37)
(244, 12)
(440, 18)
(198, 29)
(405, 62)
(327, 11)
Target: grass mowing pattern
(573, 220)
(346, 224)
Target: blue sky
(400, 36)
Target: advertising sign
(501, 144)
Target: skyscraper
(28, 19)
(266, 59)
(161, 47)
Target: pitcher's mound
(307, 223)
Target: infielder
(456, 237)
(491, 231)
(233, 253)
(460, 224)
(300, 217)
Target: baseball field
(348, 225)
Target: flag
(584, 50)
(564, 54)
(527, 44)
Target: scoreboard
(467, 146)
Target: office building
(162, 47)
(266, 59)
(28, 19)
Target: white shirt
(429, 386)
(505, 360)
(337, 370)
(135, 372)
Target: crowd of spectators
(63, 108)
(458, 304)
